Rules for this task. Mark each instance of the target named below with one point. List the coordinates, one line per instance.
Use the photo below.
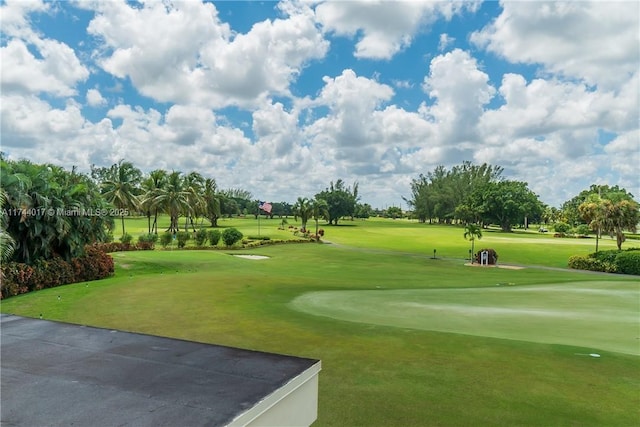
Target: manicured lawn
(388, 373)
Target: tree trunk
(122, 217)
(155, 222)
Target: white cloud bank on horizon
(571, 123)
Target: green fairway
(594, 315)
(378, 371)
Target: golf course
(408, 332)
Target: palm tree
(7, 244)
(594, 212)
(173, 198)
(151, 187)
(213, 201)
(46, 206)
(121, 188)
(620, 216)
(472, 232)
(302, 209)
(319, 209)
(193, 185)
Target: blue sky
(280, 98)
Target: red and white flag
(265, 206)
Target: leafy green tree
(446, 195)
(341, 200)
(471, 233)
(507, 203)
(571, 208)
(363, 210)
(121, 187)
(393, 212)
(620, 216)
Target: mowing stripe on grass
(595, 315)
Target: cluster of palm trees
(178, 195)
(48, 211)
(307, 209)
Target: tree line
(469, 193)
(479, 194)
(49, 211)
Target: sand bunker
(508, 267)
(252, 256)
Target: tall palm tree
(213, 201)
(472, 232)
(193, 185)
(302, 209)
(121, 188)
(173, 199)
(151, 186)
(319, 209)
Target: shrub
(182, 237)
(146, 238)
(19, 278)
(580, 262)
(628, 262)
(562, 227)
(126, 238)
(214, 237)
(493, 256)
(166, 239)
(583, 230)
(147, 241)
(606, 256)
(258, 237)
(201, 237)
(231, 236)
(115, 247)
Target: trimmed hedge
(214, 237)
(580, 262)
(231, 236)
(19, 278)
(612, 261)
(628, 262)
(124, 247)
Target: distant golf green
(596, 315)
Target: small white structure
(484, 258)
